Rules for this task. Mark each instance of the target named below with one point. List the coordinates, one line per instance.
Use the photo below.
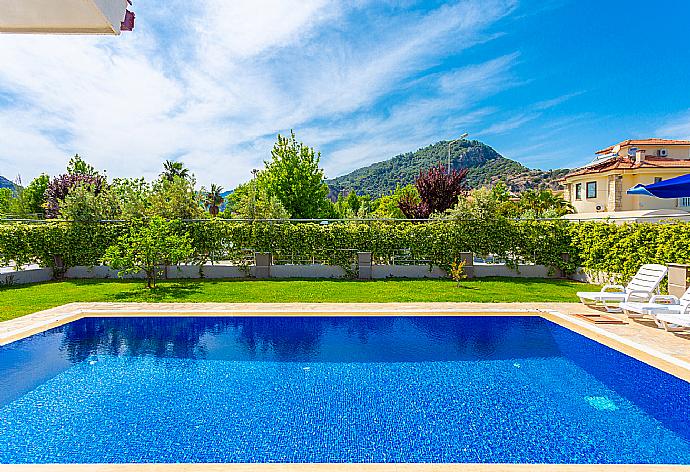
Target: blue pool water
(333, 389)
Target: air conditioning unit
(662, 152)
(600, 208)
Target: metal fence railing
(320, 257)
(327, 221)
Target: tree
(413, 207)
(438, 191)
(175, 199)
(482, 204)
(172, 169)
(537, 203)
(149, 247)
(366, 206)
(60, 187)
(83, 204)
(6, 197)
(341, 207)
(77, 165)
(14, 201)
(213, 199)
(388, 206)
(353, 203)
(133, 197)
(500, 192)
(251, 201)
(34, 194)
(293, 176)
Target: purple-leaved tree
(438, 191)
(60, 186)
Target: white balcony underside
(62, 16)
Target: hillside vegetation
(485, 165)
(5, 183)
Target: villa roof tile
(646, 142)
(625, 163)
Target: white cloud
(676, 128)
(24, 148)
(237, 30)
(552, 144)
(553, 102)
(509, 124)
(531, 113)
(213, 88)
(450, 107)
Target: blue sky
(211, 83)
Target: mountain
(6, 183)
(485, 166)
(225, 195)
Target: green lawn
(20, 300)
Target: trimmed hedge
(622, 249)
(597, 247)
(437, 242)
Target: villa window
(657, 180)
(591, 190)
(578, 191)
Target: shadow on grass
(191, 284)
(166, 291)
(465, 288)
(184, 288)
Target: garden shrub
(621, 249)
(438, 242)
(148, 247)
(595, 246)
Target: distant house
(598, 190)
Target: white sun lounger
(674, 321)
(656, 305)
(641, 288)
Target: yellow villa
(598, 190)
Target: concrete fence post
(678, 279)
(468, 258)
(59, 268)
(262, 263)
(364, 265)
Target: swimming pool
(492, 389)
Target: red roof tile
(646, 142)
(625, 163)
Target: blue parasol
(677, 187)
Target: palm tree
(172, 169)
(213, 199)
(541, 201)
(560, 205)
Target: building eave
(100, 17)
